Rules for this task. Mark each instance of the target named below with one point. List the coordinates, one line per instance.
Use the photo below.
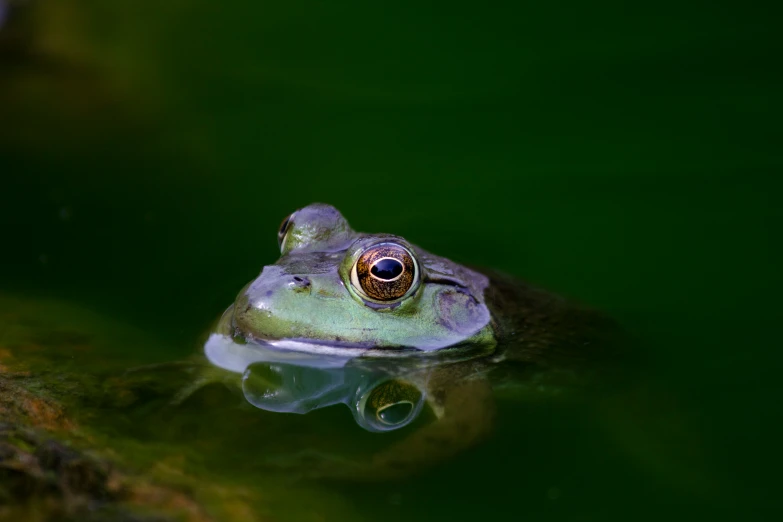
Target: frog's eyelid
(285, 228)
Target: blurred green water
(627, 156)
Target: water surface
(622, 157)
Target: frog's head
(334, 289)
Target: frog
(391, 330)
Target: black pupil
(386, 269)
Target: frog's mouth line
(348, 349)
(236, 355)
(333, 348)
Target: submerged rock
(81, 439)
(49, 471)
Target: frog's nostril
(301, 281)
(299, 284)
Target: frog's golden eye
(384, 272)
(283, 230)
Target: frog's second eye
(283, 230)
(384, 272)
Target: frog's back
(542, 328)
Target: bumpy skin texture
(308, 294)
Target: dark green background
(627, 155)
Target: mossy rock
(83, 439)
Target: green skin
(458, 336)
(308, 295)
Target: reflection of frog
(382, 394)
(384, 327)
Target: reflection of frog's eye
(384, 272)
(394, 414)
(392, 404)
(284, 226)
